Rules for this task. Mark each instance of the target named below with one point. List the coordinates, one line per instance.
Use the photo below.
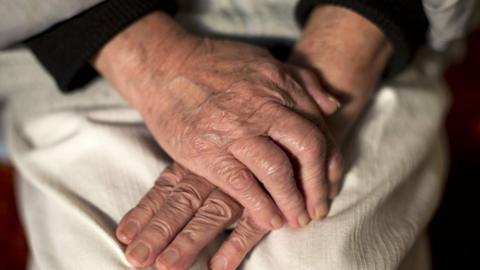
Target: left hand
(192, 213)
(348, 54)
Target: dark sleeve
(403, 22)
(66, 48)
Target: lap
(79, 180)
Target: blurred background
(455, 228)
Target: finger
(326, 102)
(308, 147)
(218, 212)
(335, 173)
(239, 243)
(179, 207)
(132, 223)
(303, 102)
(328, 105)
(237, 181)
(272, 167)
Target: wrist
(349, 54)
(345, 47)
(153, 46)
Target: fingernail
(139, 253)
(168, 258)
(337, 160)
(319, 212)
(276, 222)
(219, 263)
(333, 99)
(303, 220)
(130, 230)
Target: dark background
(455, 229)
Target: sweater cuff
(403, 22)
(66, 48)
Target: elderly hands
(183, 213)
(220, 102)
(231, 113)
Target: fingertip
(167, 259)
(127, 231)
(327, 103)
(320, 210)
(218, 262)
(335, 104)
(303, 220)
(138, 254)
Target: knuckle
(165, 183)
(186, 197)
(290, 197)
(240, 181)
(288, 194)
(245, 148)
(273, 109)
(285, 185)
(171, 174)
(259, 204)
(161, 227)
(278, 167)
(269, 69)
(149, 204)
(294, 205)
(279, 98)
(199, 145)
(147, 210)
(246, 234)
(175, 172)
(217, 210)
(239, 243)
(314, 143)
(190, 235)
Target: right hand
(230, 113)
(183, 213)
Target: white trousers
(83, 167)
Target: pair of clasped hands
(255, 141)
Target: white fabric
(20, 19)
(86, 158)
(83, 169)
(448, 20)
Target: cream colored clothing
(21, 19)
(87, 158)
(83, 168)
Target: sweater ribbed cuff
(66, 48)
(403, 22)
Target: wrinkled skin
(182, 214)
(233, 114)
(188, 213)
(239, 89)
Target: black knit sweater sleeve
(403, 22)
(66, 48)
